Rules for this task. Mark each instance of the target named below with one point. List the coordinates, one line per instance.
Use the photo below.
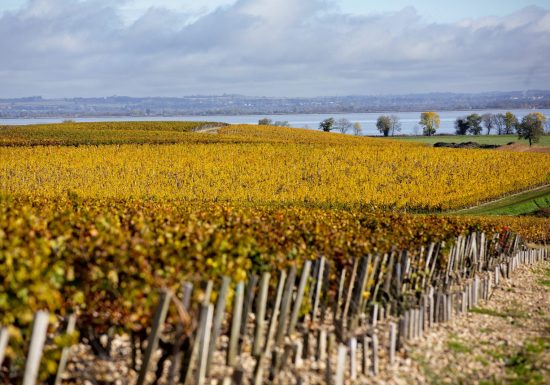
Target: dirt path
(520, 147)
(504, 341)
(208, 130)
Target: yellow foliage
(273, 165)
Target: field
(95, 218)
(99, 133)
(500, 140)
(247, 165)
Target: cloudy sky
(64, 48)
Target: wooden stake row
(299, 319)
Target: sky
(66, 48)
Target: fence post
(275, 312)
(4, 338)
(235, 324)
(285, 306)
(299, 297)
(65, 352)
(353, 358)
(219, 313)
(261, 303)
(318, 286)
(187, 289)
(247, 304)
(341, 364)
(393, 341)
(152, 342)
(38, 338)
(375, 365)
(207, 311)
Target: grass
(519, 204)
(432, 376)
(544, 279)
(490, 312)
(481, 139)
(514, 311)
(527, 366)
(457, 346)
(524, 366)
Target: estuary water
(409, 120)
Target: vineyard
(262, 166)
(116, 222)
(98, 133)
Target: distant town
(37, 106)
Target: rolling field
(98, 218)
(100, 133)
(250, 165)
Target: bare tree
(357, 129)
(395, 124)
(499, 123)
(488, 122)
(343, 125)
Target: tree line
(531, 127)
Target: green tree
(282, 123)
(474, 124)
(430, 122)
(327, 125)
(532, 127)
(384, 124)
(510, 123)
(265, 122)
(461, 126)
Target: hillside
(112, 235)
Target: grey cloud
(265, 47)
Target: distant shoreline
(36, 107)
(409, 119)
(179, 116)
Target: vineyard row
(296, 325)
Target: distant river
(409, 120)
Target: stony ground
(504, 341)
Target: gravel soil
(503, 341)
